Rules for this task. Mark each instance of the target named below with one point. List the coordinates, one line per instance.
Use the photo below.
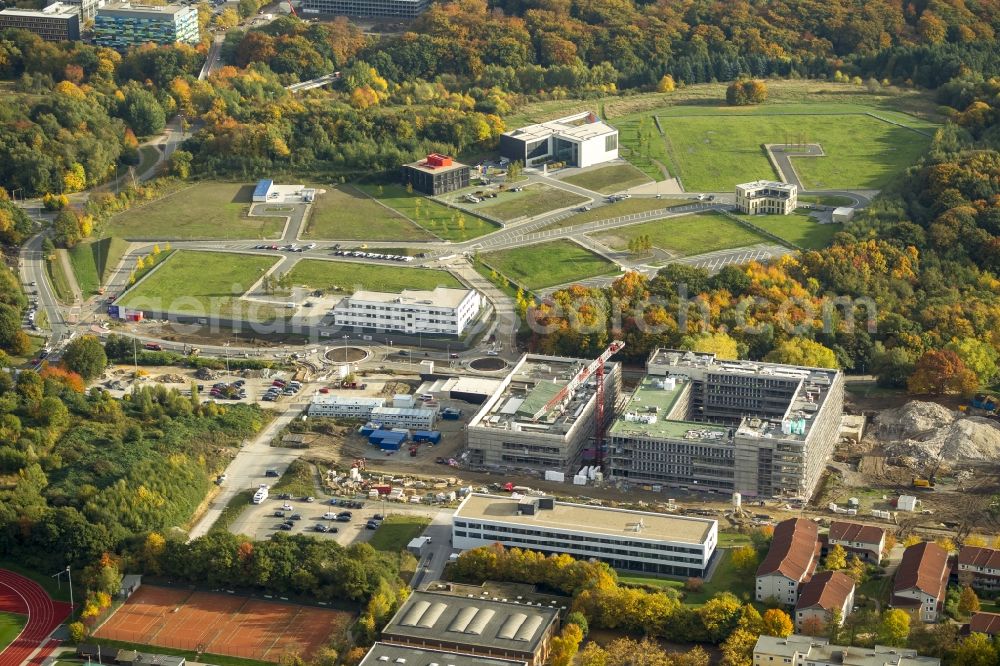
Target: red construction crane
(596, 368)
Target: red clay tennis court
(223, 624)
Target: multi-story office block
(367, 8)
(580, 140)
(699, 423)
(763, 197)
(442, 311)
(88, 8)
(122, 25)
(437, 174)
(506, 434)
(57, 22)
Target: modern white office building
(505, 433)
(701, 423)
(441, 311)
(764, 197)
(579, 140)
(641, 541)
(797, 650)
(371, 409)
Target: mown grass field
(202, 283)
(687, 235)
(398, 530)
(548, 264)
(59, 279)
(348, 277)
(445, 223)
(93, 261)
(346, 213)
(206, 210)
(532, 200)
(725, 579)
(826, 199)
(799, 228)
(712, 149)
(11, 625)
(609, 179)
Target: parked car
(319, 527)
(271, 472)
(284, 526)
(295, 516)
(279, 514)
(371, 525)
(286, 506)
(343, 519)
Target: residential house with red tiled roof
(790, 561)
(921, 580)
(985, 623)
(865, 541)
(822, 595)
(979, 568)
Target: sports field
(11, 625)
(202, 211)
(683, 236)
(533, 200)
(609, 179)
(222, 624)
(444, 222)
(346, 213)
(348, 276)
(548, 264)
(202, 283)
(713, 148)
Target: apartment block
(508, 434)
(763, 197)
(441, 311)
(700, 423)
(865, 541)
(827, 595)
(797, 650)
(122, 25)
(57, 22)
(979, 568)
(921, 581)
(790, 562)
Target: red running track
(23, 595)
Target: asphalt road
(32, 269)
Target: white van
(329, 515)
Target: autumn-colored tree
(737, 650)
(77, 631)
(812, 626)
(894, 628)
(912, 540)
(975, 650)
(745, 559)
(946, 543)
(941, 372)
(776, 622)
(152, 550)
(666, 84)
(968, 602)
(803, 351)
(565, 646)
(836, 558)
(67, 378)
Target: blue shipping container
(432, 436)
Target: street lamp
(227, 355)
(58, 577)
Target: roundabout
(348, 355)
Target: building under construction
(699, 423)
(512, 430)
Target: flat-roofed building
(443, 311)
(366, 8)
(57, 22)
(642, 541)
(827, 595)
(121, 25)
(580, 140)
(766, 197)
(791, 561)
(797, 650)
(438, 174)
(475, 626)
(383, 654)
(373, 409)
(504, 434)
(865, 541)
(921, 581)
(701, 423)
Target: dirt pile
(926, 431)
(171, 379)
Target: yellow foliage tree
(836, 558)
(946, 543)
(911, 540)
(69, 89)
(776, 622)
(666, 84)
(75, 178)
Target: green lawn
(613, 178)
(299, 480)
(346, 213)
(687, 235)
(445, 223)
(398, 530)
(350, 276)
(548, 264)
(11, 625)
(725, 579)
(826, 199)
(204, 210)
(202, 283)
(642, 145)
(147, 158)
(532, 200)
(59, 280)
(189, 655)
(233, 510)
(733, 539)
(93, 261)
(617, 209)
(712, 149)
(799, 228)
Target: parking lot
(260, 522)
